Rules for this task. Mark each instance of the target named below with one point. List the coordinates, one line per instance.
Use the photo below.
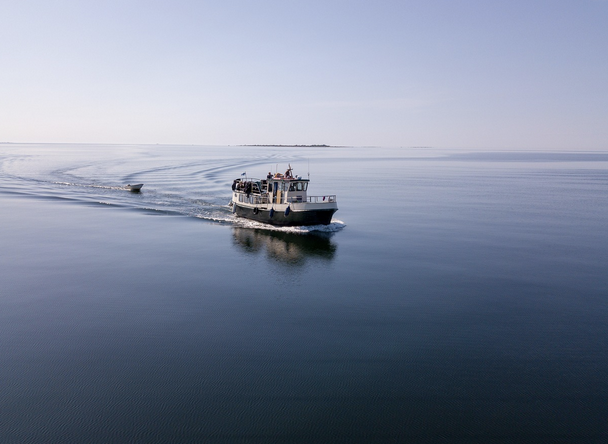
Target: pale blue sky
(471, 73)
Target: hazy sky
(454, 73)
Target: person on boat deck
(269, 175)
(288, 172)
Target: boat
(135, 188)
(281, 199)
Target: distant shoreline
(293, 146)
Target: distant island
(293, 146)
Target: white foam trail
(333, 227)
(105, 187)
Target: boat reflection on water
(287, 248)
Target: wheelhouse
(276, 190)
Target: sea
(458, 296)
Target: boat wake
(103, 187)
(179, 181)
(333, 227)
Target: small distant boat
(135, 188)
(281, 199)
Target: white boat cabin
(276, 189)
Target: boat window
(299, 186)
(291, 187)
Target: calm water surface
(458, 296)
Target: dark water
(456, 297)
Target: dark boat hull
(293, 219)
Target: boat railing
(321, 199)
(256, 199)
